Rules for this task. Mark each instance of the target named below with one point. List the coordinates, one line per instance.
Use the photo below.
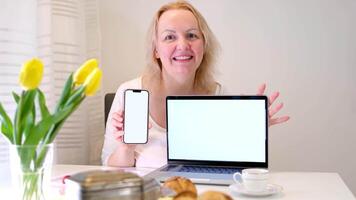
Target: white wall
(305, 49)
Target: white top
(154, 152)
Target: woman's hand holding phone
(124, 155)
(118, 123)
(125, 129)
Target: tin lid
(106, 179)
(150, 183)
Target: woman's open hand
(273, 110)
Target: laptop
(211, 137)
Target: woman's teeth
(182, 58)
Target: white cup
(253, 179)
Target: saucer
(270, 190)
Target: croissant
(214, 195)
(180, 184)
(186, 190)
(186, 195)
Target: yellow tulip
(92, 82)
(31, 74)
(84, 71)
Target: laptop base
(199, 178)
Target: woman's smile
(183, 58)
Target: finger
(118, 133)
(118, 114)
(261, 89)
(272, 98)
(275, 110)
(278, 120)
(118, 119)
(118, 125)
(121, 112)
(120, 139)
(149, 125)
(118, 136)
(115, 115)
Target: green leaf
(6, 124)
(16, 97)
(77, 94)
(17, 125)
(41, 155)
(24, 108)
(56, 128)
(28, 123)
(26, 156)
(59, 116)
(66, 92)
(28, 102)
(33, 113)
(38, 132)
(42, 103)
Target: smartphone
(136, 116)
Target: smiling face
(180, 44)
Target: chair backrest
(109, 97)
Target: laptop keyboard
(199, 169)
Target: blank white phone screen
(136, 116)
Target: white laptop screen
(223, 128)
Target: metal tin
(110, 185)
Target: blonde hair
(204, 77)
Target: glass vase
(30, 167)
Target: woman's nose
(183, 44)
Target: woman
(181, 55)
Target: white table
(296, 185)
(302, 186)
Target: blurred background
(304, 49)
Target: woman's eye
(169, 37)
(192, 36)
